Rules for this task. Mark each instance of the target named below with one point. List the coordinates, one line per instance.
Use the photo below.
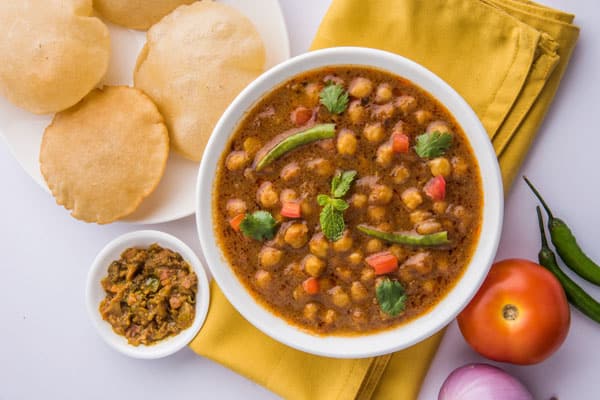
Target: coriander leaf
(335, 98)
(323, 200)
(339, 204)
(340, 184)
(332, 222)
(433, 144)
(259, 225)
(391, 297)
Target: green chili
(566, 245)
(576, 295)
(407, 238)
(317, 132)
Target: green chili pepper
(576, 295)
(566, 245)
(317, 132)
(407, 238)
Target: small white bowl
(399, 337)
(95, 293)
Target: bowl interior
(95, 293)
(404, 335)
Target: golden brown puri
(196, 60)
(53, 53)
(137, 14)
(103, 156)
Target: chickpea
(235, 207)
(346, 142)
(329, 317)
(312, 92)
(313, 265)
(373, 246)
(296, 235)
(290, 171)
(266, 195)
(360, 87)
(383, 93)
(320, 166)
(440, 167)
(400, 174)
(419, 216)
(423, 116)
(385, 155)
(439, 207)
(358, 200)
(380, 195)
(269, 257)
(299, 294)
(406, 104)
(428, 227)
(420, 262)
(343, 244)
(343, 273)
(438, 126)
(288, 195)
(442, 265)
(367, 275)
(262, 278)
(339, 297)
(459, 166)
(376, 214)
(355, 258)
(251, 146)
(384, 226)
(374, 132)
(236, 160)
(412, 198)
(398, 251)
(310, 311)
(358, 292)
(306, 207)
(428, 286)
(383, 112)
(319, 245)
(356, 112)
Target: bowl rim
(94, 292)
(401, 336)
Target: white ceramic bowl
(95, 293)
(369, 344)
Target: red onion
(482, 382)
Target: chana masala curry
(348, 201)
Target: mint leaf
(335, 98)
(433, 144)
(323, 200)
(391, 297)
(332, 222)
(340, 184)
(259, 225)
(339, 204)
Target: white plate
(174, 197)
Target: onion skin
(482, 382)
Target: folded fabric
(506, 58)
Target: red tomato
(399, 143)
(436, 188)
(520, 315)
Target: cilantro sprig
(335, 98)
(332, 214)
(391, 297)
(259, 225)
(433, 144)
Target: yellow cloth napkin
(506, 58)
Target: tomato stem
(510, 312)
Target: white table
(49, 349)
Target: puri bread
(136, 14)
(195, 61)
(52, 52)
(103, 156)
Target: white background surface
(48, 348)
